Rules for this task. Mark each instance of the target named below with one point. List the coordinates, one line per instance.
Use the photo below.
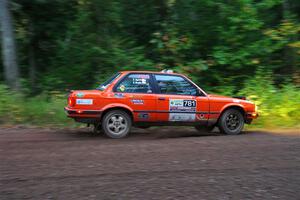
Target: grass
(42, 110)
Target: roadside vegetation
(41, 110)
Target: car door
(136, 91)
(179, 100)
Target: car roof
(147, 72)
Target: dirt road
(160, 163)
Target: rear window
(104, 85)
(175, 85)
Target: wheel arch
(124, 108)
(233, 106)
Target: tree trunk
(31, 56)
(285, 9)
(32, 67)
(290, 54)
(11, 70)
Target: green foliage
(45, 110)
(278, 107)
(10, 110)
(170, 48)
(78, 43)
(40, 110)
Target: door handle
(161, 98)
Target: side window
(135, 83)
(175, 85)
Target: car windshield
(104, 85)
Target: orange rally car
(145, 98)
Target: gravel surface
(158, 163)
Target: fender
(232, 104)
(115, 105)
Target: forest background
(238, 47)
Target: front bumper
(251, 115)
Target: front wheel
(116, 124)
(231, 122)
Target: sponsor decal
(84, 101)
(139, 81)
(137, 101)
(80, 94)
(140, 76)
(200, 117)
(119, 95)
(143, 115)
(182, 117)
(181, 105)
(122, 88)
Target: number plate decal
(84, 101)
(182, 117)
(182, 110)
(182, 105)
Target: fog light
(256, 108)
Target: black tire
(231, 122)
(116, 124)
(202, 128)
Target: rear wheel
(231, 122)
(116, 124)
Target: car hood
(218, 96)
(222, 98)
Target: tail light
(71, 101)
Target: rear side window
(104, 85)
(135, 83)
(175, 85)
